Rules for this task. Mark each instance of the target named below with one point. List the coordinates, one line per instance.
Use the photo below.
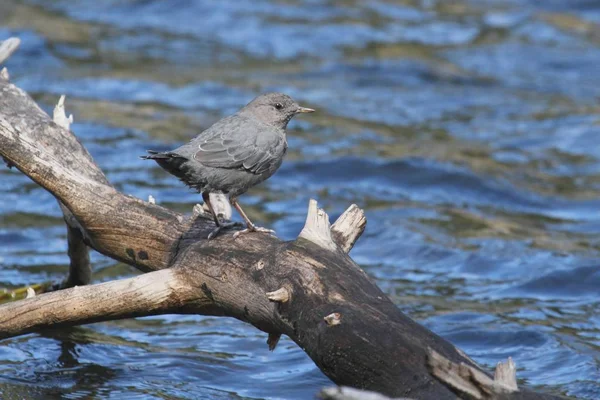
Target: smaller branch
(154, 293)
(506, 374)
(333, 319)
(8, 47)
(59, 116)
(272, 340)
(317, 227)
(220, 204)
(469, 381)
(281, 295)
(80, 268)
(349, 227)
(197, 211)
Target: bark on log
(308, 289)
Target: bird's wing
(239, 143)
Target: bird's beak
(304, 110)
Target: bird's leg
(206, 199)
(250, 226)
(220, 225)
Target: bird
(235, 154)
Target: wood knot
(333, 319)
(281, 295)
(272, 340)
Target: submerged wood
(308, 289)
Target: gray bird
(236, 153)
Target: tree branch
(349, 227)
(317, 228)
(55, 159)
(159, 292)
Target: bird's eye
(278, 106)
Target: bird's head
(275, 109)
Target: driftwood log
(308, 289)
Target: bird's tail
(156, 155)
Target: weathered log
(308, 289)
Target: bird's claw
(253, 229)
(214, 233)
(223, 225)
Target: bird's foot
(220, 227)
(253, 229)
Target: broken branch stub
(333, 319)
(220, 204)
(349, 227)
(30, 293)
(59, 115)
(8, 47)
(470, 383)
(317, 228)
(281, 295)
(272, 340)
(505, 374)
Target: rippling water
(467, 130)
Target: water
(466, 130)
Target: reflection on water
(467, 130)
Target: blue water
(467, 130)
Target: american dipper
(236, 153)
